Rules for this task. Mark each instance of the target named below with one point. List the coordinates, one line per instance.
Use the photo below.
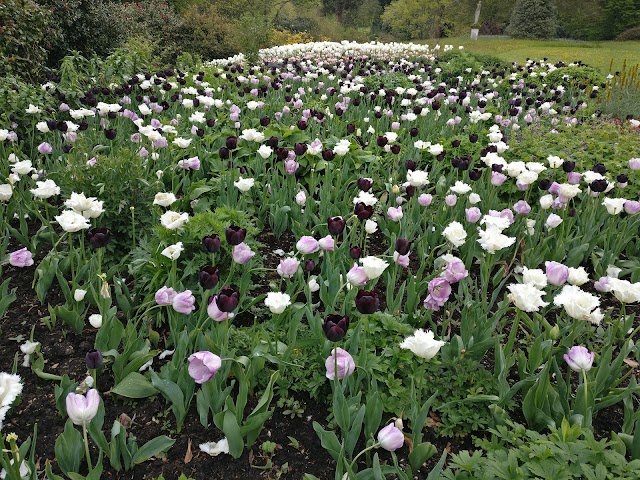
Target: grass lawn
(596, 54)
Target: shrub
(631, 34)
(26, 34)
(574, 76)
(285, 37)
(533, 19)
(210, 34)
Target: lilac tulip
(425, 199)
(346, 365)
(394, 213)
(391, 438)
(402, 260)
(327, 243)
(21, 258)
(242, 253)
(165, 296)
(184, 302)
(192, 163)
(450, 200)
(45, 149)
(288, 267)
(634, 164)
(472, 214)
(291, 167)
(522, 208)
(579, 358)
(307, 245)
(357, 276)
(603, 285)
(497, 179)
(82, 408)
(574, 178)
(455, 271)
(203, 366)
(440, 290)
(632, 207)
(557, 273)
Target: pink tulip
(184, 302)
(203, 366)
(344, 361)
(21, 258)
(165, 296)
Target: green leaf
(420, 454)
(171, 392)
(152, 448)
(6, 297)
(134, 385)
(231, 430)
(329, 441)
(69, 449)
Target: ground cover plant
(338, 260)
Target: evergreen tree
(533, 19)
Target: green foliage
(26, 34)
(574, 76)
(533, 19)
(618, 16)
(457, 63)
(569, 452)
(210, 35)
(622, 98)
(413, 19)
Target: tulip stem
(586, 398)
(375, 445)
(86, 444)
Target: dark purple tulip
(99, 237)
(224, 153)
(599, 168)
(475, 174)
(235, 235)
(622, 178)
(264, 121)
(328, 155)
(336, 225)
(211, 243)
(227, 300)
(382, 141)
(355, 252)
(395, 149)
(93, 359)
(367, 302)
(66, 148)
(351, 128)
(209, 277)
(302, 125)
(365, 184)
(403, 246)
(300, 149)
(544, 184)
(363, 211)
(414, 132)
(568, 166)
(455, 143)
(599, 185)
(473, 138)
(282, 153)
(211, 122)
(309, 265)
(231, 142)
(273, 142)
(335, 327)
(410, 164)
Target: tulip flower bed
(344, 261)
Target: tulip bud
(93, 359)
(99, 237)
(355, 252)
(211, 243)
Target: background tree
(533, 19)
